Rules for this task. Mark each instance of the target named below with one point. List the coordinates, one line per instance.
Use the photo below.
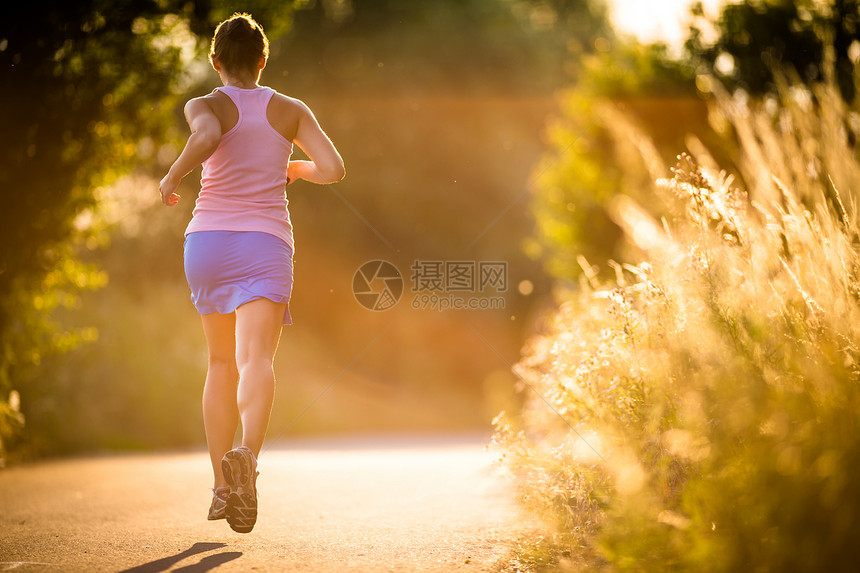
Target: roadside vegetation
(691, 403)
(695, 409)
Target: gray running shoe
(218, 509)
(240, 471)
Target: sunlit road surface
(385, 504)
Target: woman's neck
(244, 82)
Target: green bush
(700, 411)
(592, 158)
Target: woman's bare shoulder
(216, 103)
(285, 113)
(197, 108)
(287, 103)
(208, 99)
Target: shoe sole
(239, 472)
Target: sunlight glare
(657, 21)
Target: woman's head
(239, 45)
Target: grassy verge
(700, 411)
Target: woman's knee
(257, 361)
(224, 366)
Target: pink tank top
(243, 187)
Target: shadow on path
(206, 564)
(210, 562)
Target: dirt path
(329, 505)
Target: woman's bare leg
(220, 411)
(258, 329)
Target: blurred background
(471, 130)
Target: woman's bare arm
(203, 141)
(325, 164)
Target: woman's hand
(292, 172)
(168, 187)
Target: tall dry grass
(701, 411)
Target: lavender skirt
(226, 269)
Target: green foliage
(455, 47)
(118, 392)
(757, 38)
(89, 87)
(698, 412)
(591, 140)
(86, 85)
(36, 334)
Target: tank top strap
(234, 97)
(258, 100)
(254, 102)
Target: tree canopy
(756, 38)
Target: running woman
(239, 247)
